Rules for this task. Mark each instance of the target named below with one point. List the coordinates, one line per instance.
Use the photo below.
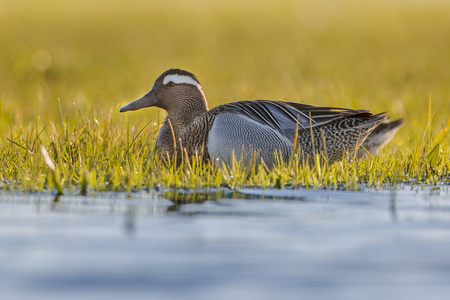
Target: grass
(65, 71)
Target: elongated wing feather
(285, 117)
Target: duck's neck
(187, 112)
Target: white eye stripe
(178, 79)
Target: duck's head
(174, 89)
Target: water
(251, 244)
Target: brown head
(175, 91)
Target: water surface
(221, 244)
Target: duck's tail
(382, 134)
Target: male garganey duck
(268, 128)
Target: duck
(270, 130)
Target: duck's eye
(170, 83)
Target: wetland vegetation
(65, 71)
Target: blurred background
(379, 55)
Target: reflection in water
(393, 205)
(55, 203)
(180, 197)
(57, 198)
(130, 220)
(201, 201)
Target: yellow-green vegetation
(66, 66)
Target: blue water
(251, 244)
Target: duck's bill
(147, 100)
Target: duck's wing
(288, 117)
